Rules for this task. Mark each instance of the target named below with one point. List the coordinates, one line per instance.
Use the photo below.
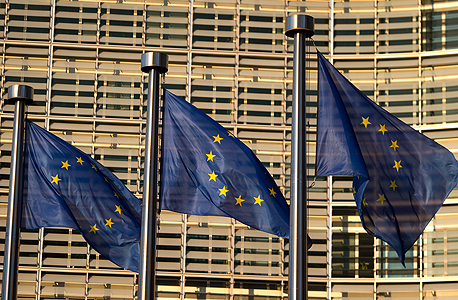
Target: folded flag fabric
(400, 177)
(64, 187)
(207, 171)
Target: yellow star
(230, 134)
(106, 179)
(239, 200)
(79, 160)
(118, 209)
(212, 176)
(394, 145)
(94, 167)
(210, 156)
(364, 202)
(381, 198)
(353, 190)
(397, 165)
(108, 223)
(272, 192)
(393, 184)
(258, 200)
(116, 195)
(223, 191)
(65, 165)
(217, 139)
(55, 179)
(382, 129)
(94, 229)
(365, 121)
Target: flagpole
(20, 95)
(154, 63)
(299, 27)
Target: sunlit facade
(231, 59)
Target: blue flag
(63, 187)
(207, 171)
(400, 177)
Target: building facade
(232, 60)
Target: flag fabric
(64, 187)
(207, 171)
(400, 177)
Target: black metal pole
(154, 63)
(300, 27)
(19, 95)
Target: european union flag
(63, 187)
(207, 171)
(400, 177)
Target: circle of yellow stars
(79, 160)
(397, 164)
(223, 191)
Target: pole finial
(300, 23)
(20, 92)
(155, 60)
